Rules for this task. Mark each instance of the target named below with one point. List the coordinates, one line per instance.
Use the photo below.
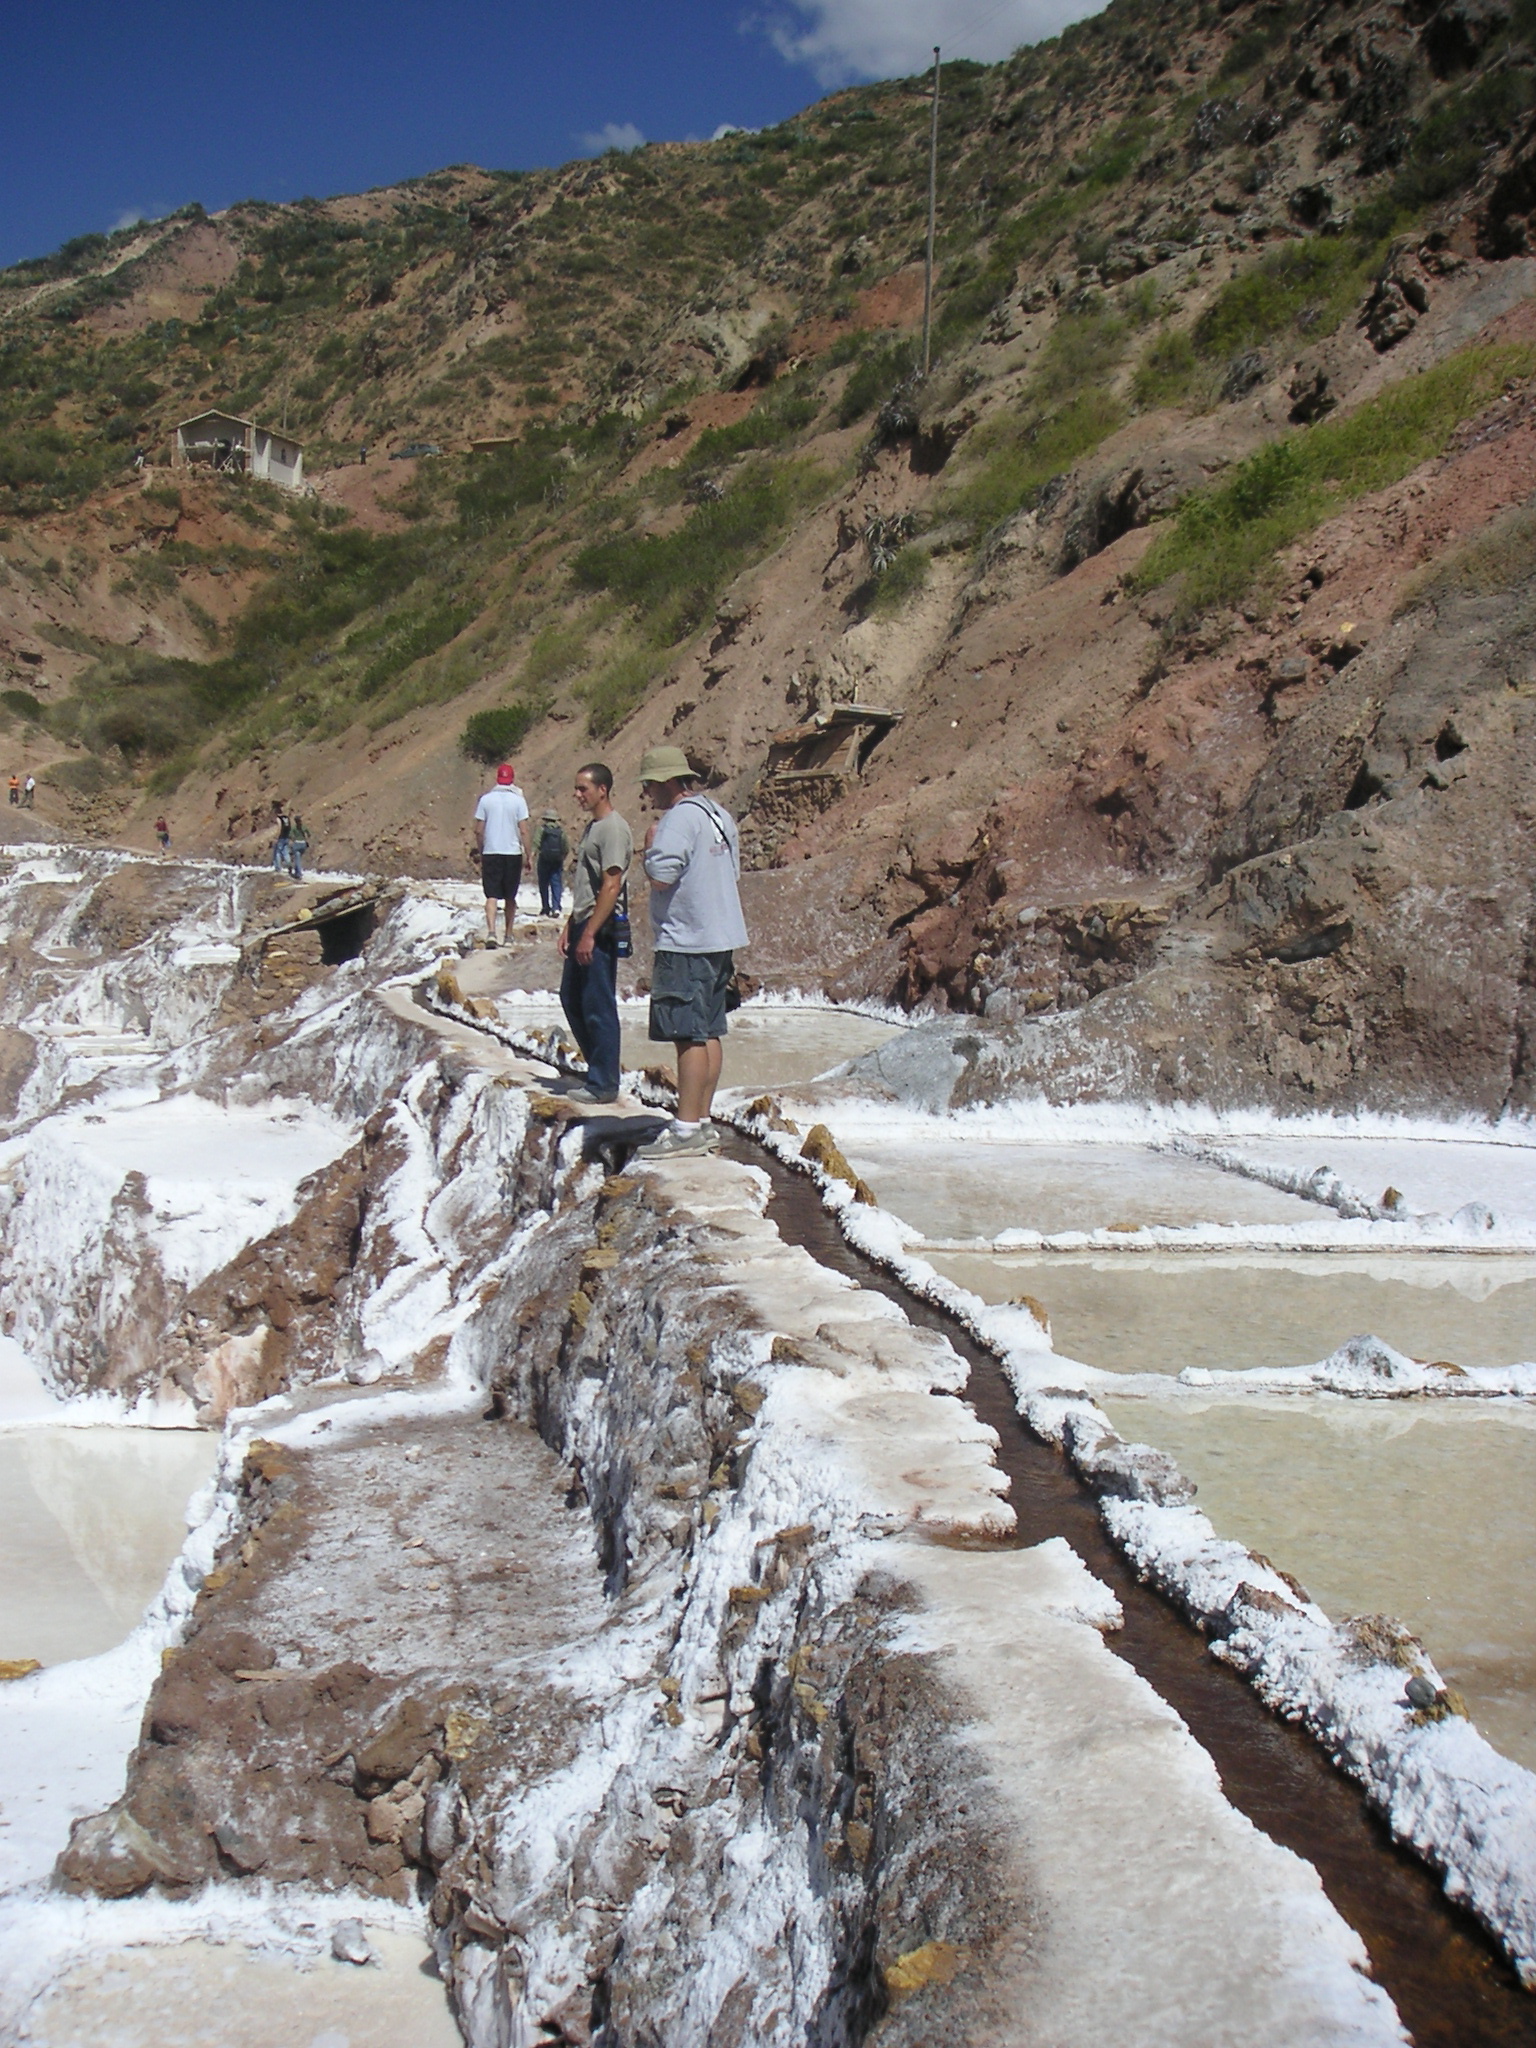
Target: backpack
(553, 844)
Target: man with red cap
(502, 843)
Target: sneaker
(490, 945)
(676, 1144)
(589, 1096)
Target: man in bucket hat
(501, 841)
(693, 860)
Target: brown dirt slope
(1197, 571)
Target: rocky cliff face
(1199, 561)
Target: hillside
(1199, 571)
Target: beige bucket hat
(665, 764)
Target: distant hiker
(553, 848)
(298, 846)
(693, 860)
(589, 944)
(28, 792)
(280, 847)
(501, 843)
(15, 789)
(362, 455)
(163, 834)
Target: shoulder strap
(702, 803)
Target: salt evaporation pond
(1435, 1176)
(205, 1995)
(970, 1188)
(766, 1046)
(1161, 1312)
(1419, 1509)
(93, 1518)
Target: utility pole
(933, 199)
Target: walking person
(501, 845)
(163, 834)
(298, 846)
(693, 862)
(28, 792)
(553, 848)
(280, 846)
(15, 789)
(589, 944)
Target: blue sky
(114, 110)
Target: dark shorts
(500, 874)
(688, 996)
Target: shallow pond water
(1160, 1312)
(92, 1520)
(201, 1995)
(971, 1189)
(763, 1048)
(1418, 1509)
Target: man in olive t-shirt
(589, 986)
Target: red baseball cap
(506, 775)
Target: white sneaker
(678, 1144)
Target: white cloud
(612, 135)
(841, 40)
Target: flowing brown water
(1451, 1985)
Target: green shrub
(876, 377)
(494, 735)
(505, 481)
(1225, 538)
(902, 580)
(20, 705)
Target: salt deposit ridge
(720, 1702)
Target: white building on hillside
(239, 447)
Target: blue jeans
(589, 997)
(551, 887)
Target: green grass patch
(670, 581)
(1169, 372)
(414, 637)
(618, 685)
(1323, 277)
(1500, 559)
(1223, 540)
(1067, 410)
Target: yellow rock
(461, 1731)
(17, 1667)
(936, 1962)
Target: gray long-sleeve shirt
(693, 863)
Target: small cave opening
(343, 938)
(1366, 785)
(1449, 742)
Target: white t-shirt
(501, 811)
